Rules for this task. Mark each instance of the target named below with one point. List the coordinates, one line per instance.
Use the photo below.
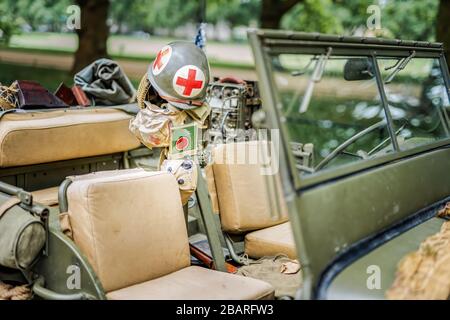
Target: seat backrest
(129, 224)
(243, 197)
(34, 137)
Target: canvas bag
(22, 236)
(185, 172)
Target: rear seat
(35, 137)
(130, 226)
(244, 204)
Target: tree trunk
(443, 27)
(270, 19)
(93, 34)
(272, 12)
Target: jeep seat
(47, 197)
(271, 242)
(244, 204)
(34, 137)
(130, 226)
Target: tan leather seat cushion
(244, 203)
(196, 283)
(271, 242)
(40, 137)
(130, 225)
(47, 197)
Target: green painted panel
(352, 282)
(333, 216)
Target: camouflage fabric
(152, 124)
(281, 272)
(425, 274)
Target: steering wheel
(340, 149)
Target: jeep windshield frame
(335, 196)
(267, 43)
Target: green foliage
(235, 12)
(414, 20)
(399, 18)
(352, 14)
(168, 14)
(129, 13)
(406, 19)
(313, 16)
(150, 14)
(34, 13)
(9, 24)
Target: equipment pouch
(22, 236)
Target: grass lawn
(49, 78)
(127, 47)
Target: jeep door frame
(401, 189)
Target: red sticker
(161, 60)
(182, 143)
(189, 81)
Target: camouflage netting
(8, 97)
(142, 92)
(425, 273)
(10, 292)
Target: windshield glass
(334, 113)
(334, 117)
(417, 99)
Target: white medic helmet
(180, 74)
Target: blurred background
(50, 40)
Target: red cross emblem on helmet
(161, 60)
(189, 81)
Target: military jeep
(361, 134)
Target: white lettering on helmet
(161, 60)
(189, 81)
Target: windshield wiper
(400, 65)
(304, 70)
(315, 77)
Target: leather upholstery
(130, 226)
(40, 137)
(271, 241)
(244, 203)
(196, 283)
(47, 197)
